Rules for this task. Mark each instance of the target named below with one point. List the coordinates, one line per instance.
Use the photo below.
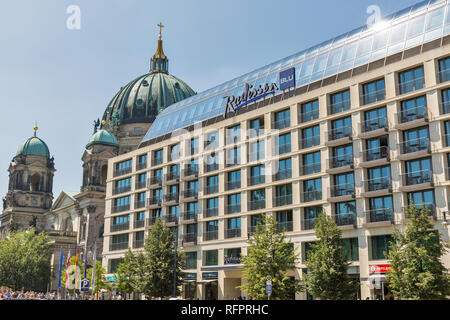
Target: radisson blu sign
(251, 94)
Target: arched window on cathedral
(35, 181)
(104, 174)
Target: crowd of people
(27, 295)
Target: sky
(63, 79)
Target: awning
(189, 280)
(207, 281)
(377, 277)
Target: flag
(67, 270)
(84, 262)
(94, 258)
(61, 261)
(76, 269)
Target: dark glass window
(282, 119)
(421, 198)
(256, 150)
(374, 119)
(379, 178)
(211, 257)
(342, 156)
(418, 171)
(380, 244)
(340, 128)
(174, 152)
(373, 91)
(257, 174)
(312, 190)
(234, 156)
(310, 215)
(413, 109)
(351, 249)
(191, 260)
(257, 127)
(284, 143)
(310, 137)
(311, 163)
(410, 80)
(339, 101)
(444, 67)
(310, 111)
(445, 95)
(415, 140)
(233, 134)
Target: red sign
(380, 268)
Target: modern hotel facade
(363, 134)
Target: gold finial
(35, 128)
(103, 122)
(160, 25)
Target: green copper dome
(33, 147)
(103, 137)
(141, 100)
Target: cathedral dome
(142, 99)
(103, 137)
(33, 147)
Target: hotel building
(362, 134)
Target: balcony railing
(429, 206)
(256, 180)
(345, 219)
(190, 193)
(376, 153)
(308, 116)
(309, 142)
(139, 204)
(308, 223)
(410, 86)
(233, 208)
(172, 176)
(120, 172)
(154, 201)
(347, 189)
(341, 161)
(257, 204)
(191, 170)
(282, 124)
(171, 218)
(211, 235)
(189, 215)
(155, 180)
(211, 212)
(284, 148)
(339, 106)
(214, 188)
(190, 238)
(380, 183)
(174, 196)
(417, 177)
(374, 124)
(444, 75)
(115, 209)
(118, 246)
(233, 233)
(310, 168)
(157, 161)
(286, 226)
(211, 167)
(313, 195)
(411, 114)
(120, 227)
(415, 145)
(283, 200)
(282, 175)
(141, 184)
(123, 189)
(378, 215)
(444, 107)
(139, 223)
(141, 165)
(340, 133)
(138, 244)
(231, 185)
(372, 97)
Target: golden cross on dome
(35, 128)
(160, 25)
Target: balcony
(232, 233)
(190, 193)
(282, 200)
(256, 204)
(444, 75)
(379, 217)
(256, 180)
(172, 176)
(347, 219)
(211, 167)
(282, 175)
(214, 188)
(308, 116)
(138, 244)
(139, 223)
(141, 165)
(211, 235)
(231, 185)
(139, 204)
(310, 169)
(285, 226)
(191, 170)
(171, 219)
(123, 189)
(308, 223)
(140, 184)
(309, 142)
(416, 180)
(342, 162)
(281, 124)
(339, 106)
(118, 246)
(120, 227)
(121, 172)
(431, 207)
(211, 212)
(414, 147)
(377, 186)
(233, 208)
(190, 238)
(372, 97)
(373, 127)
(342, 192)
(412, 114)
(339, 136)
(375, 154)
(157, 161)
(313, 195)
(410, 86)
(155, 180)
(174, 196)
(189, 216)
(154, 201)
(115, 209)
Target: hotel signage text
(381, 268)
(287, 79)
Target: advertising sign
(379, 268)
(287, 79)
(85, 284)
(210, 275)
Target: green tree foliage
(417, 271)
(151, 271)
(269, 255)
(327, 265)
(25, 261)
(100, 282)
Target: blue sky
(64, 79)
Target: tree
(25, 260)
(269, 255)
(327, 265)
(100, 282)
(151, 272)
(417, 271)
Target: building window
(157, 157)
(257, 199)
(122, 186)
(342, 156)
(284, 221)
(284, 143)
(119, 242)
(378, 178)
(311, 163)
(312, 190)
(410, 80)
(339, 101)
(444, 69)
(212, 141)
(233, 134)
(422, 199)
(256, 127)
(414, 140)
(282, 119)
(380, 209)
(142, 162)
(340, 128)
(255, 220)
(211, 258)
(309, 111)
(445, 104)
(138, 239)
(123, 167)
(413, 109)
(345, 213)
(310, 137)
(234, 180)
(373, 91)
(191, 260)
(212, 184)
(194, 146)
(212, 230)
(351, 249)
(310, 216)
(344, 185)
(121, 204)
(257, 175)
(418, 171)
(283, 195)
(374, 119)
(284, 169)
(191, 233)
(379, 244)
(234, 156)
(212, 207)
(212, 162)
(232, 256)
(114, 264)
(256, 151)
(234, 203)
(174, 152)
(376, 148)
(233, 228)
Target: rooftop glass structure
(410, 27)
